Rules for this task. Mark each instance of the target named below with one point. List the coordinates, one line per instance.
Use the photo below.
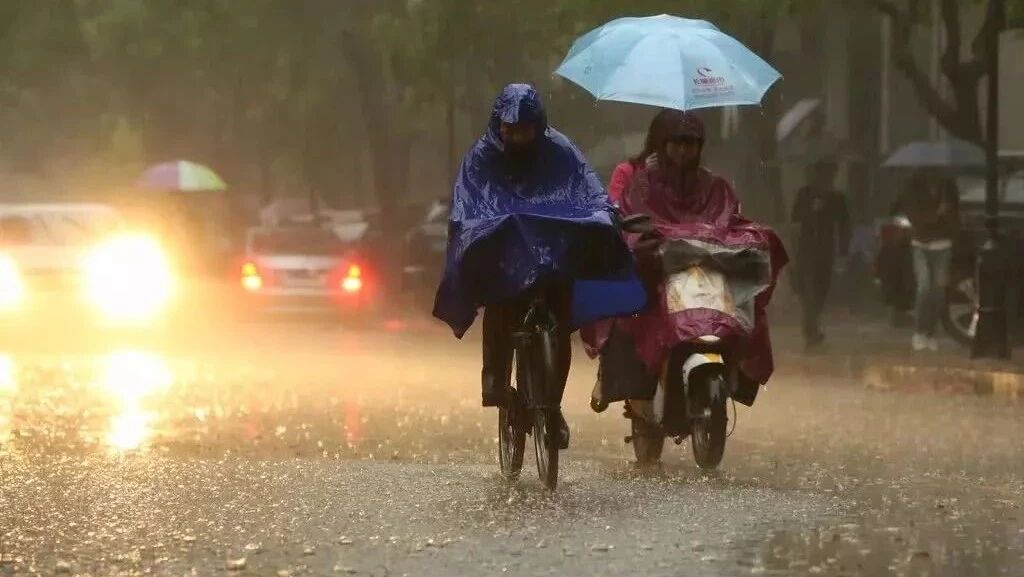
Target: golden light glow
(251, 279)
(352, 284)
(129, 430)
(353, 281)
(12, 290)
(128, 278)
(8, 374)
(132, 377)
(252, 283)
(8, 386)
(5, 421)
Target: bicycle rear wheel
(546, 434)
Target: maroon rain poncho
(700, 207)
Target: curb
(945, 380)
(882, 374)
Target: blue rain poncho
(515, 222)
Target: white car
(65, 262)
(307, 268)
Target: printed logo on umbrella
(706, 77)
(707, 84)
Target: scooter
(700, 374)
(695, 384)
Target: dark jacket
(824, 224)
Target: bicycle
(534, 402)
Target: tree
(960, 113)
(44, 76)
(255, 89)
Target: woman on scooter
(682, 197)
(624, 172)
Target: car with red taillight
(306, 269)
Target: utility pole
(991, 340)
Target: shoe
(933, 344)
(919, 342)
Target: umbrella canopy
(667, 61)
(937, 154)
(181, 175)
(800, 112)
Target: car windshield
(56, 227)
(303, 241)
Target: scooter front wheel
(709, 429)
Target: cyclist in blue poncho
(527, 211)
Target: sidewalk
(880, 356)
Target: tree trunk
(961, 115)
(390, 145)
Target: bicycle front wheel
(546, 433)
(511, 442)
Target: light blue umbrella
(667, 61)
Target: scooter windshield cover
(704, 278)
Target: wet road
(288, 449)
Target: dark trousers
(499, 324)
(815, 278)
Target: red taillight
(252, 280)
(353, 281)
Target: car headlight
(128, 278)
(12, 289)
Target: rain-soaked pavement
(291, 449)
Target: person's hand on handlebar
(636, 224)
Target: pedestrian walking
(822, 215)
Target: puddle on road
(133, 380)
(135, 401)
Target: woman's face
(683, 151)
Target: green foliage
(247, 86)
(259, 88)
